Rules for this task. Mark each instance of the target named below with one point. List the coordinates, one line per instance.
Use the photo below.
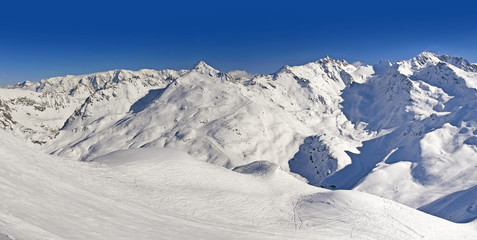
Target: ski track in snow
(166, 194)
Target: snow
(163, 193)
(240, 75)
(430, 152)
(405, 131)
(206, 114)
(460, 206)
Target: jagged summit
(324, 63)
(426, 54)
(429, 56)
(426, 58)
(202, 67)
(327, 59)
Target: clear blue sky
(42, 39)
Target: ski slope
(166, 194)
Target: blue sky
(50, 38)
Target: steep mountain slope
(165, 194)
(404, 131)
(430, 148)
(38, 110)
(216, 118)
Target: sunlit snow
(323, 150)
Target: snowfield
(323, 150)
(166, 194)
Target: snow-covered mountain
(405, 131)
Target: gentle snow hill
(405, 131)
(166, 194)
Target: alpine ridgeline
(405, 131)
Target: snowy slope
(166, 194)
(431, 148)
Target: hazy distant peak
(432, 58)
(240, 74)
(384, 63)
(426, 59)
(382, 67)
(24, 84)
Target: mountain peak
(429, 59)
(427, 55)
(326, 60)
(420, 61)
(382, 66)
(285, 69)
(201, 66)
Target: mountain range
(317, 136)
